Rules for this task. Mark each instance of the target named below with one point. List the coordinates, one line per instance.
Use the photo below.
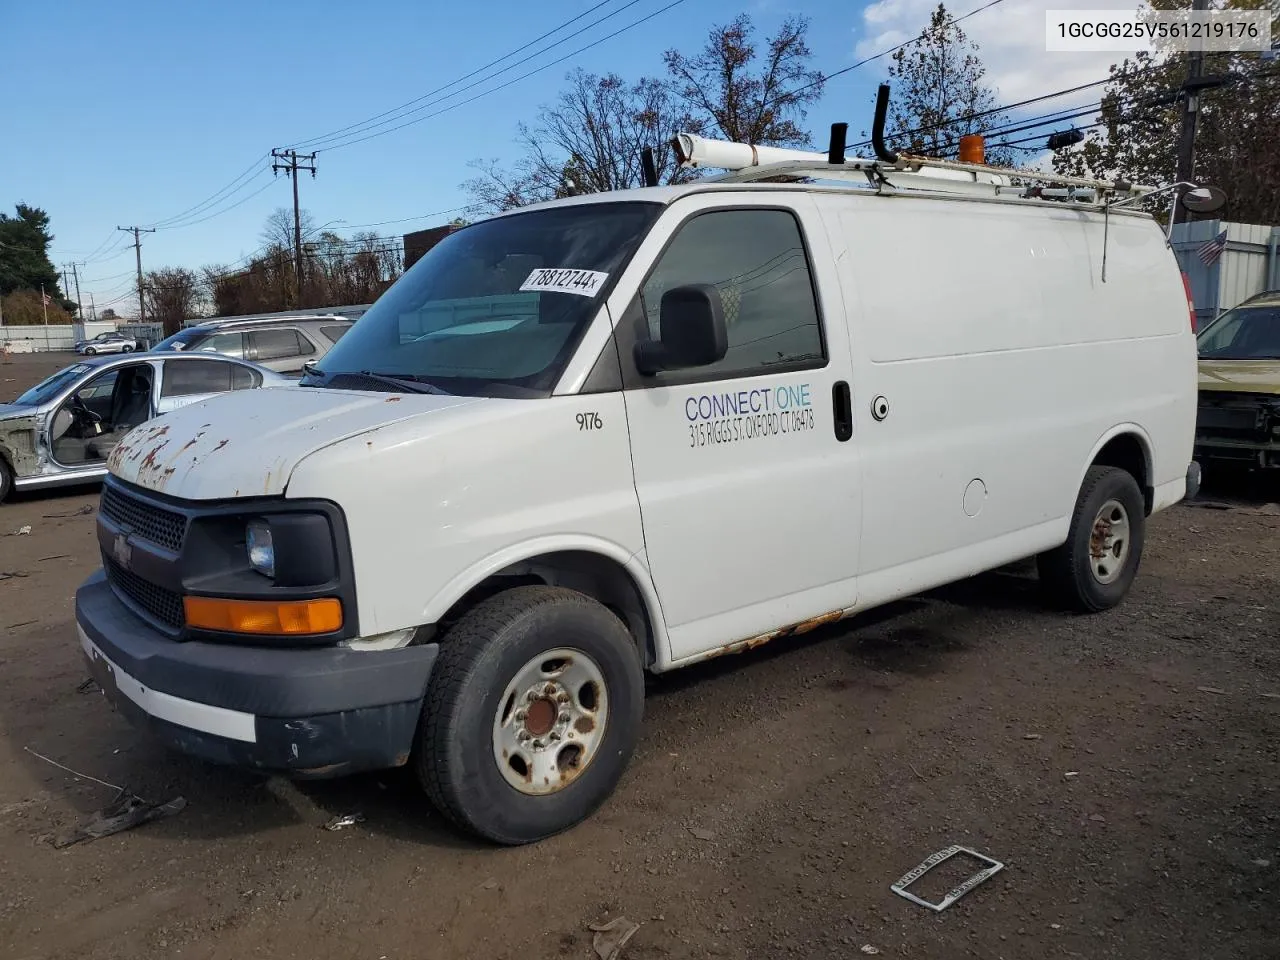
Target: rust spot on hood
(221, 444)
(392, 400)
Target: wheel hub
(550, 721)
(1109, 542)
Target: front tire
(90, 351)
(532, 714)
(6, 480)
(1094, 569)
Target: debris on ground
(702, 833)
(124, 813)
(1071, 773)
(869, 949)
(1032, 736)
(1212, 690)
(87, 685)
(611, 937)
(7, 574)
(349, 820)
(490, 884)
(23, 531)
(1262, 863)
(82, 512)
(1097, 818)
(991, 868)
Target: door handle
(842, 410)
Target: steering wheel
(84, 413)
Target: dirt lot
(1125, 767)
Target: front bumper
(310, 712)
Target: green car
(1239, 414)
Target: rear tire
(1094, 569)
(126, 349)
(531, 716)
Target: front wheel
(90, 351)
(1094, 569)
(6, 481)
(532, 714)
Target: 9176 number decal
(590, 421)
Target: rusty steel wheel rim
(1109, 542)
(550, 721)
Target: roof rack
(747, 163)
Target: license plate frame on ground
(911, 876)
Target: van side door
(745, 469)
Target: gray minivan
(283, 344)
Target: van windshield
(494, 309)
(181, 340)
(1245, 333)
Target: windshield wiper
(406, 381)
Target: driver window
(90, 423)
(757, 261)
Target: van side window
(756, 259)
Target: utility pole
(291, 162)
(79, 303)
(1190, 114)
(137, 250)
(92, 309)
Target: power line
(430, 93)
(885, 53)
(523, 76)
(214, 198)
(217, 213)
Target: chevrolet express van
(626, 432)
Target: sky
(164, 114)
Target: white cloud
(1011, 42)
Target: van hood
(1242, 376)
(247, 444)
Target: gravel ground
(1124, 767)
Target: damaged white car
(61, 430)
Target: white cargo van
(631, 431)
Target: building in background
(418, 243)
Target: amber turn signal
(264, 617)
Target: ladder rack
(747, 164)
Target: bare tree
(172, 294)
(277, 231)
(720, 87)
(588, 141)
(941, 84)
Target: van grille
(146, 521)
(163, 606)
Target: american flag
(1211, 251)
(46, 298)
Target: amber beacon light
(971, 148)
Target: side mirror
(692, 331)
(310, 368)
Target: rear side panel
(1004, 362)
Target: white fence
(37, 339)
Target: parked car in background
(109, 342)
(282, 344)
(62, 430)
(1238, 420)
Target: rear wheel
(126, 349)
(1094, 569)
(532, 714)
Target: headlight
(262, 553)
